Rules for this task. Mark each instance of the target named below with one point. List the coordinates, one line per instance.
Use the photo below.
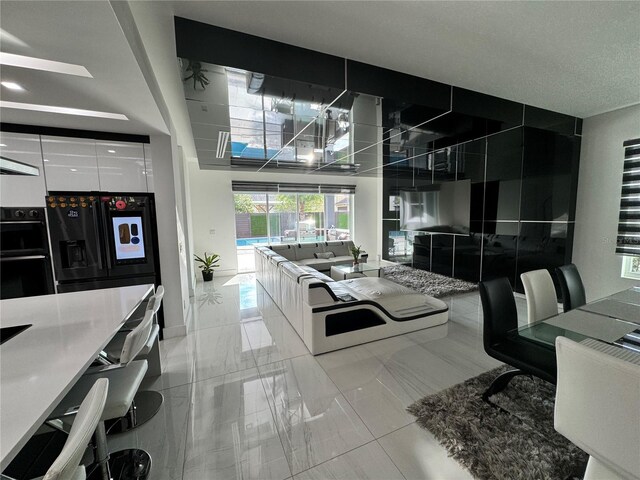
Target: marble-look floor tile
(163, 437)
(315, 422)
(221, 350)
(418, 371)
(178, 366)
(274, 339)
(378, 398)
(245, 448)
(228, 397)
(215, 307)
(368, 462)
(462, 348)
(232, 432)
(419, 456)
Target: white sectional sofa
(329, 315)
(318, 255)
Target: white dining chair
(541, 295)
(597, 406)
(67, 465)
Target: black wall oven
(25, 264)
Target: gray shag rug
(429, 283)
(518, 442)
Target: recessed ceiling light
(73, 169)
(33, 63)
(12, 86)
(111, 151)
(63, 110)
(3, 145)
(45, 159)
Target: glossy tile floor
(244, 399)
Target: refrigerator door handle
(107, 233)
(96, 229)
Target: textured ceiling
(578, 58)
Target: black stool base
(146, 403)
(131, 464)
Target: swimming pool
(246, 242)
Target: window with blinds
(628, 242)
(267, 187)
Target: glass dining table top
(609, 320)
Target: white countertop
(40, 365)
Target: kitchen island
(40, 364)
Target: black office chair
(501, 316)
(573, 294)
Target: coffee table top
(360, 268)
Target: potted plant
(355, 251)
(208, 264)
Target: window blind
(268, 187)
(628, 242)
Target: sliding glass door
(289, 218)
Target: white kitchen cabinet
(148, 164)
(22, 190)
(70, 164)
(121, 167)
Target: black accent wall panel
(547, 120)
(504, 174)
(500, 250)
(546, 176)
(541, 245)
(442, 249)
(221, 46)
(389, 84)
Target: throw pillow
(324, 256)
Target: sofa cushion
(324, 255)
(338, 248)
(285, 250)
(304, 251)
(319, 264)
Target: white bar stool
(124, 380)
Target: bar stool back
(67, 465)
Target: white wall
(598, 202)
(154, 22)
(213, 209)
(171, 247)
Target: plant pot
(356, 263)
(207, 276)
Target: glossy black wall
(522, 161)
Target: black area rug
(429, 283)
(520, 443)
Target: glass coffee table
(343, 272)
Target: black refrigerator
(102, 240)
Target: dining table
(48, 342)
(612, 323)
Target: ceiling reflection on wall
(254, 121)
(251, 120)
